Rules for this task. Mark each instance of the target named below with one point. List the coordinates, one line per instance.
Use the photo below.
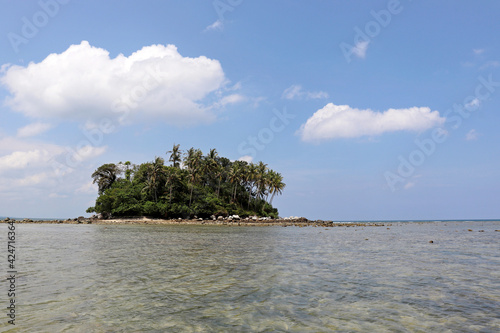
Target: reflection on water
(92, 278)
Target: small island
(192, 186)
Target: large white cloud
(342, 121)
(84, 83)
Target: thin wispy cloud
(217, 26)
(471, 135)
(295, 92)
(33, 129)
(490, 64)
(359, 50)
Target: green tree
(105, 176)
(276, 185)
(155, 177)
(175, 156)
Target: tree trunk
(191, 195)
(218, 188)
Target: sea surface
(130, 278)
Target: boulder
(236, 217)
(220, 218)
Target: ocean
(401, 277)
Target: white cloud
(217, 25)
(33, 129)
(342, 121)
(359, 50)
(478, 51)
(296, 92)
(473, 105)
(83, 83)
(232, 99)
(23, 159)
(246, 158)
(471, 135)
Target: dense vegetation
(193, 185)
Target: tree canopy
(193, 185)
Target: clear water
(95, 278)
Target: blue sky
(370, 109)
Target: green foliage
(193, 185)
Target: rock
(229, 218)
(7, 219)
(200, 219)
(469, 229)
(213, 217)
(220, 218)
(236, 217)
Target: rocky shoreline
(220, 220)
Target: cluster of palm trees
(211, 170)
(194, 182)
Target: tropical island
(193, 185)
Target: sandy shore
(298, 222)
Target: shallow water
(96, 278)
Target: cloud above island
(342, 121)
(83, 83)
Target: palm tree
(193, 161)
(235, 177)
(261, 179)
(156, 174)
(105, 176)
(219, 172)
(171, 177)
(250, 175)
(175, 156)
(276, 184)
(211, 164)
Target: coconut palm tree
(261, 179)
(193, 161)
(156, 174)
(235, 175)
(171, 178)
(250, 178)
(276, 185)
(175, 156)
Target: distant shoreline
(285, 222)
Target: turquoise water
(96, 278)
